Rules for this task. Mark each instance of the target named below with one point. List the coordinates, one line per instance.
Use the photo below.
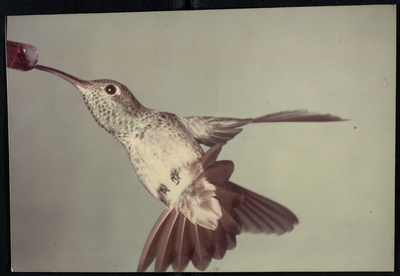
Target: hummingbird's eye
(110, 89)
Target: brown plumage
(175, 240)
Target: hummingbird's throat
(109, 116)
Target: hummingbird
(205, 211)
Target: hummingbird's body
(160, 147)
(162, 154)
(204, 210)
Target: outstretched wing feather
(260, 214)
(213, 130)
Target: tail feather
(221, 242)
(228, 197)
(219, 172)
(167, 241)
(230, 221)
(150, 249)
(183, 247)
(176, 240)
(231, 241)
(207, 240)
(201, 258)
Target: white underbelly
(156, 157)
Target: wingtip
(297, 116)
(334, 118)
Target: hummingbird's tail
(175, 240)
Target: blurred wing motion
(212, 130)
(175, 240)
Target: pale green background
(76, 203)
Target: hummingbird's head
(111, 103)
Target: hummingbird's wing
(212, 130)
(259, 214)
(175, 240)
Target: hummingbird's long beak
(74, 80)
